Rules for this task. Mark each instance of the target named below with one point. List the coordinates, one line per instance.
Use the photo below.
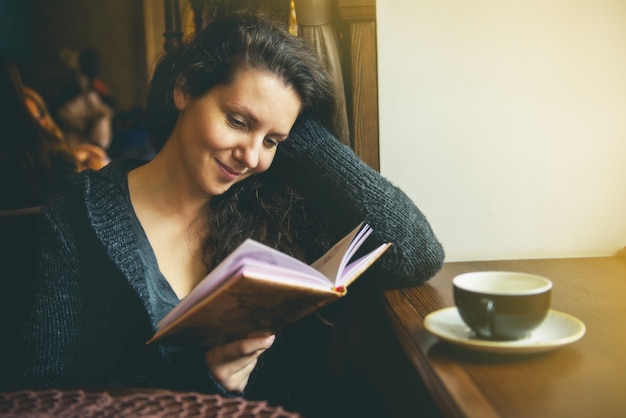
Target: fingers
(231, 364)
(237, 380)
(243, 348)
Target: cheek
(214, 138)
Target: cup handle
(487, 320)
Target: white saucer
(556, 330)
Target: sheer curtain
(315, 24)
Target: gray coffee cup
(500, 305)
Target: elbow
(404, 267)
(433, 264)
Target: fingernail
(270, 340)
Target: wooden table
(584, 379)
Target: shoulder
(113, 175)
(92, 213)
(94, 192)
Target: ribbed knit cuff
(221, 390)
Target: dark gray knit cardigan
(90, 318)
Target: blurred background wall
(39, 34)
(505, 121)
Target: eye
(271, 142)
(236, 122)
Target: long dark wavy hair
(263, 206)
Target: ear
(180, 98)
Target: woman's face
(232, 131)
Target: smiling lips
(228, 172)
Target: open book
(257, 290)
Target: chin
(216, 191)
(219, 190)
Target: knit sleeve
(50, 330)
(349, 191)
(86, 326)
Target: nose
(248, 152)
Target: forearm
(348, 190)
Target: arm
(53, 327)
(349, 191)
(87, 327)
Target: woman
(124, 244)
(33, 162)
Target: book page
(357, 267)
(331, 263)
(277, 273)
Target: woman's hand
(231, 364)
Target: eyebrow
(247, 112)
